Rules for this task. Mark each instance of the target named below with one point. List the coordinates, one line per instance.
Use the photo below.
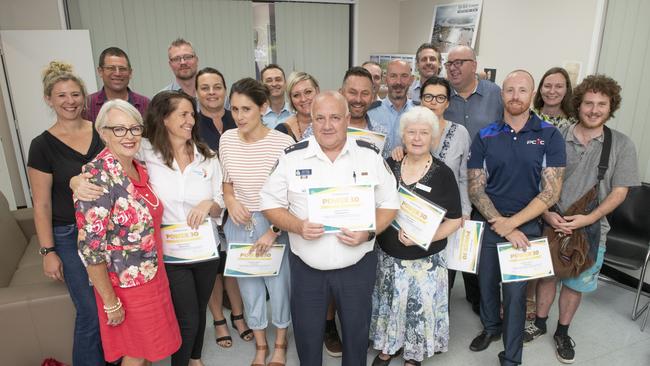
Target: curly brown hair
(599, 84)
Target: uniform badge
(303, 173)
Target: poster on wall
(455, 24)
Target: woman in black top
(409, 302)
(213, 121)
(55, 156)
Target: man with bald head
(428, 61)
(510, 160)
(375, 70)
(398, 81)
(341, 264)
(474, 103)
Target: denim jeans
(87, 348)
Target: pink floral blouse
(117, 228)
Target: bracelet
(110, 309)
(114, 310)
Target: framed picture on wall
(455, 24)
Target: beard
(516, 108)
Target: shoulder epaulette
(295, 147)
(368, 145)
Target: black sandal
(218, 323)
(243, 334)
(412, 362)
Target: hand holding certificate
(519, 265)
(351, 207)
(464, 247)
(182, 244)
(417, 217)
(242, 262)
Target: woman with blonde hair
(55, 156)
(302, 89)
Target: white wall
(377, 28)
(22, 15)
(534, 35)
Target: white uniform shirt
(180, 192)
(305, 167)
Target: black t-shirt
(50, 155)
(208, 131)
(444, 192)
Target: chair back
(633, 215)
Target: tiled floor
(603, 331)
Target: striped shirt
(248, 165)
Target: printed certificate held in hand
(351, 207)
(379, 139)
(182, 244)
(464, 247)
(417, 217)
(241, 262)
(519, 265)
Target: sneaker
(532, 332)
(564, 348)
(333, 344)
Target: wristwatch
(44, 251)
(276, 230)
(371, 235)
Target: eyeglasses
(456, 63)
(178, 59)
(114, 69)
(440, 98)
(120, 131)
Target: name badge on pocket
(423, 187)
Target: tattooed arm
(552, 178)
(476, 182)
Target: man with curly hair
(596, 99)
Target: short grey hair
(118, 104)
(419, 114)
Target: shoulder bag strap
(604, 154)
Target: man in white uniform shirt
(342, 264)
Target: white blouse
(181, 191)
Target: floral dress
(121, 229)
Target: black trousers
(311, 290)
(191, 286)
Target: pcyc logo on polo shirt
(535, 142)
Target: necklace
(422, 171)
(146, 195)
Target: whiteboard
(25, 55)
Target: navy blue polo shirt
(514, 161)
(208, 132)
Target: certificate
(182, 244)
(351, 207)
(464, 247)
(241, 263)
(417, 217)
(374, 137)
(519, 265)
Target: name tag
(423, 187)
(303, 172)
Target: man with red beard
(398, 80)
(428, 64)
(596, 99)
(510, 160)
(184, 64)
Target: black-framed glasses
(120, 131)
(178, 59)
(440, 98)
(114, 69)
(457, 63)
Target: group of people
(115, 167)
